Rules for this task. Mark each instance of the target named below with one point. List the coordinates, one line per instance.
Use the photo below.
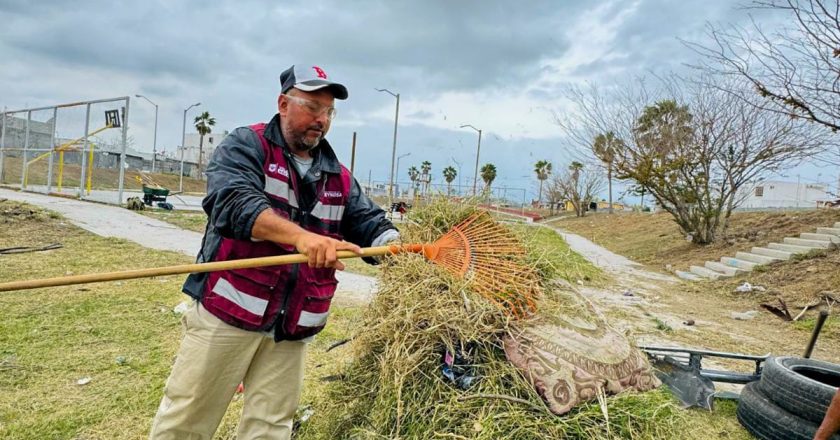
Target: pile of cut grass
(393, 386)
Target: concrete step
(820, 237)
(706, 273)
(773, 253)
(727, 271)
(830, 231)
(738, 263)
(688, 275)
(792, 248)
(809, 243)
(757, 259)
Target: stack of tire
(790, 400)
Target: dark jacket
(235, 182)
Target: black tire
(767, 421)
(802, 387)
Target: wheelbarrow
(153, 194)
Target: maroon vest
(294, 298)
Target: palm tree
(542, 169)
(488, 175)
(449, 175)
(426, 173)
(605, 147)
(414, 175)
(203, 122)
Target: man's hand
(322, 250)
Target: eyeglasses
(313, 107)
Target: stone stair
(743, 262)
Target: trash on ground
(84, 381)
(747, 287)
(181, 308)
(744, 316)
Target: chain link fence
(77, 149)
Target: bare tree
(693, 146)
(794, 69)
(578, 185)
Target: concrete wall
(779, 194)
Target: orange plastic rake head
(490, 257)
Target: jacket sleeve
(363, 219)
(235, 184)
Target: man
(272, 189)
(831, 423)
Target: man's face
(305, 117)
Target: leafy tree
(488, 175)
(449, 174)
(203, 125)
(542, 169)
(697, 149)
(604, 147)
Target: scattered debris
(338, 344)
(84, 381)
(688, 322)
(181, 308)
(745, 316)
(24, 249)
(627, 292)
(781, 310)
(121, 360)
(747, 287)
(135, 204)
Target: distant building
(778, 194)
(191, 144)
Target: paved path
(607, 260)
(114, 221)
(181, 202)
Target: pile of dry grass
(393, 387)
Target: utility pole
(394, 147)
(477, 154)
(154, 143)
(183, 139)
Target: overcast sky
(500, 66)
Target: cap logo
(320, 72)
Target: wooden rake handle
(201, 267)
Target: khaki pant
(213, 359)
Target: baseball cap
(309, 79)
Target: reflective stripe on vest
(308, 319)
(281, 190)
(248, 302)
(328, 213)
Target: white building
(191, 143)
(778, 194)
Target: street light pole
(154, 144)
(459, 173)
(394, 148)
(398, 166)
(183, 139)
(477, 154)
